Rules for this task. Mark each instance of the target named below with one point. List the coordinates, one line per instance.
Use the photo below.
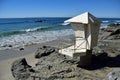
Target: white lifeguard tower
(86, 29)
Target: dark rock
(9, 45)
(20, 69)
(50, 66)
(114, 25)
(44, 51)
(21, 49)
(39, 20)
(102, 29)
(116, 32)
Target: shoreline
(16, 52)
(19, 41)
(7, 57)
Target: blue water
(12, 26)
(22, 31)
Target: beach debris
(20, 69)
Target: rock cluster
(54, 66)
(50, 66)
(112, 32)
(20, 69)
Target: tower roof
(84, 18)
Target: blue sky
(58, 8)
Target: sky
(58, 8)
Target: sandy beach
(5, 66)
(59, 40)
(7, 57)
(11, 55)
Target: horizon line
(55, 17)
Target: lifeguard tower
(86, 29)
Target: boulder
(44, 51)
(20, 69)
(21, 49)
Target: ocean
(18, 32)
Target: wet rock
(44, 51)
(21, 49)
(114, 75)
(20, 69)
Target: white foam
(65, 24)
(105, 21)
(32, 38)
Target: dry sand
(5, 66)
(7, 57)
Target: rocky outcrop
(55, 66)
(20, 69)
(113, 75)
(50, 66)
(112, 32)
(115, 35)
(44, 51)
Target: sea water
(17, 32)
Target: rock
(39, 20)
(21, 49)
(114, 25)
(20, 69)
(56, 66)
(113, 75)
(9, 45)
(115, 32)
(51, 65)
(44, 51)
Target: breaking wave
(33, 38)
(24, 31)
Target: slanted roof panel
(84, 18)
